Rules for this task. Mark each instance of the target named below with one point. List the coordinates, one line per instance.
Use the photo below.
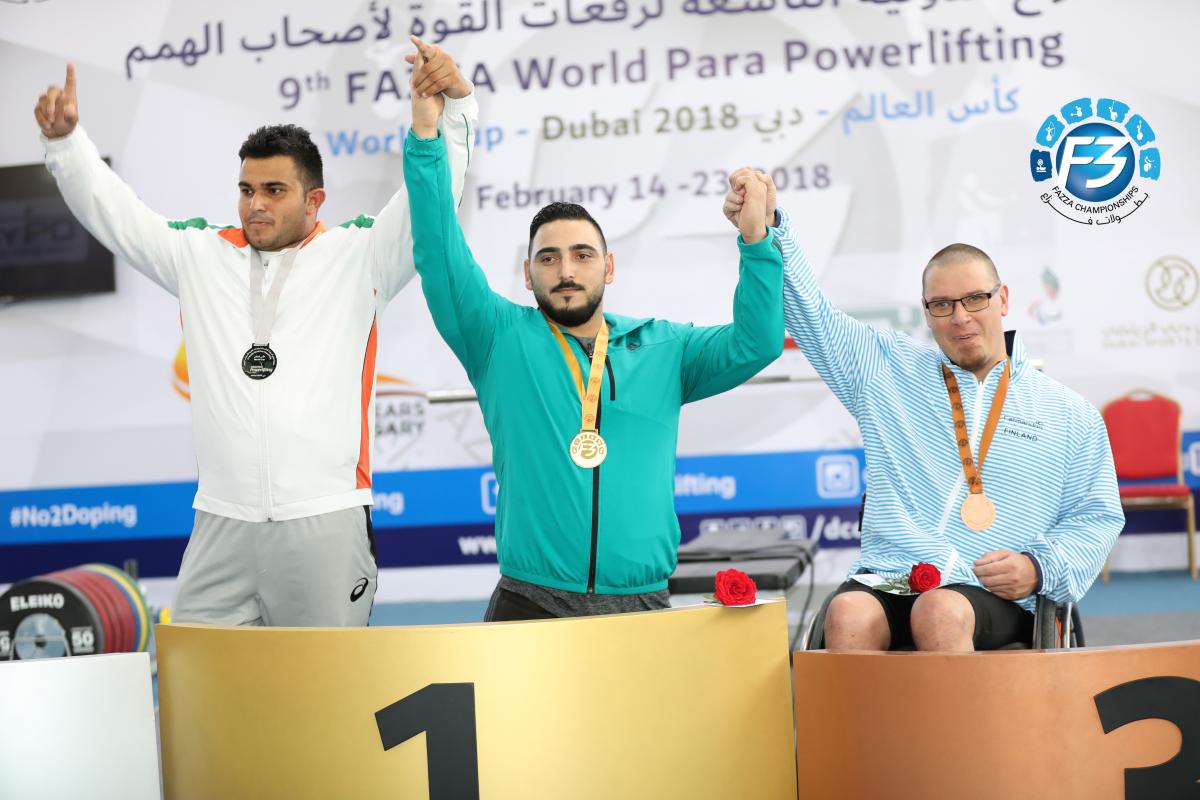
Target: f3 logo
(1096, 162)
(1096, 166)
(1096, 159)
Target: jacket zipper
(263, 451)
(612, 395)
(259, 388)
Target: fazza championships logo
(1099, 159)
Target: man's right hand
(753, 213)
(438, 74)
(57, 111)
(736, 196)
(426, 108)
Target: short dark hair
(557, 211)
(287, 140)
(957, 252)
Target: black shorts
(997, 621)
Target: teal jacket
(611, 529)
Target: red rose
(734, 588)
(924, 577)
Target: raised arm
(392, 239)
(100, 200)
(843, 351)
(467, 313)
(720, 357)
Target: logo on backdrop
(399, 419)
(1045, 308)
(1172, 283)
(1099, 158)
(830, 529)
(489, 492)
(180, 381)
(837, 477)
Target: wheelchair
(1056, 626)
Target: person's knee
(942, 617)
(856, 620)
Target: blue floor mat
(1142, 593)
(428, 613)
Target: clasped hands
(750, 203)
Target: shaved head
(974, 340)
(958, 253)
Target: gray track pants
(312, 572)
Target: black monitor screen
(44, 251)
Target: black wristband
(1037, 568)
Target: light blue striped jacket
(1049, 470)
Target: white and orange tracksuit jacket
(298, 443)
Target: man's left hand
(1006, 574)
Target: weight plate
(90, 584)
(60, 599)
(40, 635)
(137, 601)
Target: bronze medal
(978, 512)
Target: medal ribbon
(262, 310)
(590, 400)
(970, 469)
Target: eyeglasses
(972, 302)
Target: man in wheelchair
(977, 463)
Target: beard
(575, 313)
(971, 357)
(973, 364)
(976, 362)
(283, 234)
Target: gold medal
(588, 449)
(978, 512)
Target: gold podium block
(686, 703)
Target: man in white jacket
(279, 319)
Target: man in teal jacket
(582, 406)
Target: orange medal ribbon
(977, 512)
